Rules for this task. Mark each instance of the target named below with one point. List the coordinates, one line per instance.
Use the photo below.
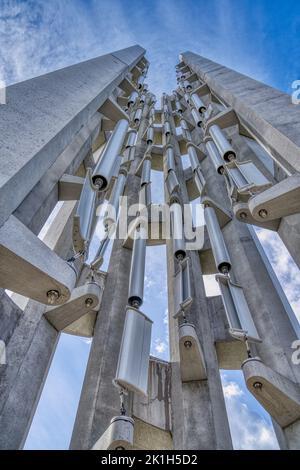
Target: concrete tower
(89, 135)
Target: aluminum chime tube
(131, 139)
(198, 103)
(218, 246)
(104, 169)
(177, 231)
(150, 136)
(185, 130)
(132, 98)
(197, 117)
(170, 158)
(193, 157)
(222, 144)
(114, 200)
(215, 156)
(137, 268)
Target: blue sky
(256, 37)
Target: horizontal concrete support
(267, 113)
(34, 132)
(277, 394)
(29, 267)
(69, 188)
(83, 299)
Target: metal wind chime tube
(198, 119)
(84, 217)
(179, 250)
(198, 103)
(185, 130)
(132, 99)
(150, 136)
(222, 143)
(187, 98)
(215, 156)
(137, 268)
(193, 157)
(104, 169)
(146, 172)
(219, 249)
(170, 158)
(167, 129)
(199, 180)
(186, 85)
(178, 106)
(140, 81)
(111, 214)
(131, 139)
(138, 116)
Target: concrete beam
(34, 132)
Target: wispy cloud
(250, 426)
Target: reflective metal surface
(85, 213)
(214, 156)
(222, 144)
(218, 246)
(105, 166)
(177, 231)
(133, 363)
(199, 105)
(137, 268)
(146, 172)
(237, 310)
(131, 139)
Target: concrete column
(199, 419)
(29, 351)
(269, 115)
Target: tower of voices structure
(90, 134)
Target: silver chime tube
(146, 172)
(222, 144)
(199, 180)
(177, 231)
(152, 115)
(199, 105)
(218, 246)
(140, 81)
(166, 110)
(131, 139)
(187, 97)
(138, 115)
(178, 107)
(167, 128)
(185, 130)
(114, 200)
(170, 159)
(98, 260)
(193, 157)
(215, 156)
(142, 98)
(132, 98)
(187, 85)
(150, 136)
(197, 117)
(104, 169)
(137, 268)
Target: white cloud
(160, 346)
(250, 426)
(232, 389)
(284, 266)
